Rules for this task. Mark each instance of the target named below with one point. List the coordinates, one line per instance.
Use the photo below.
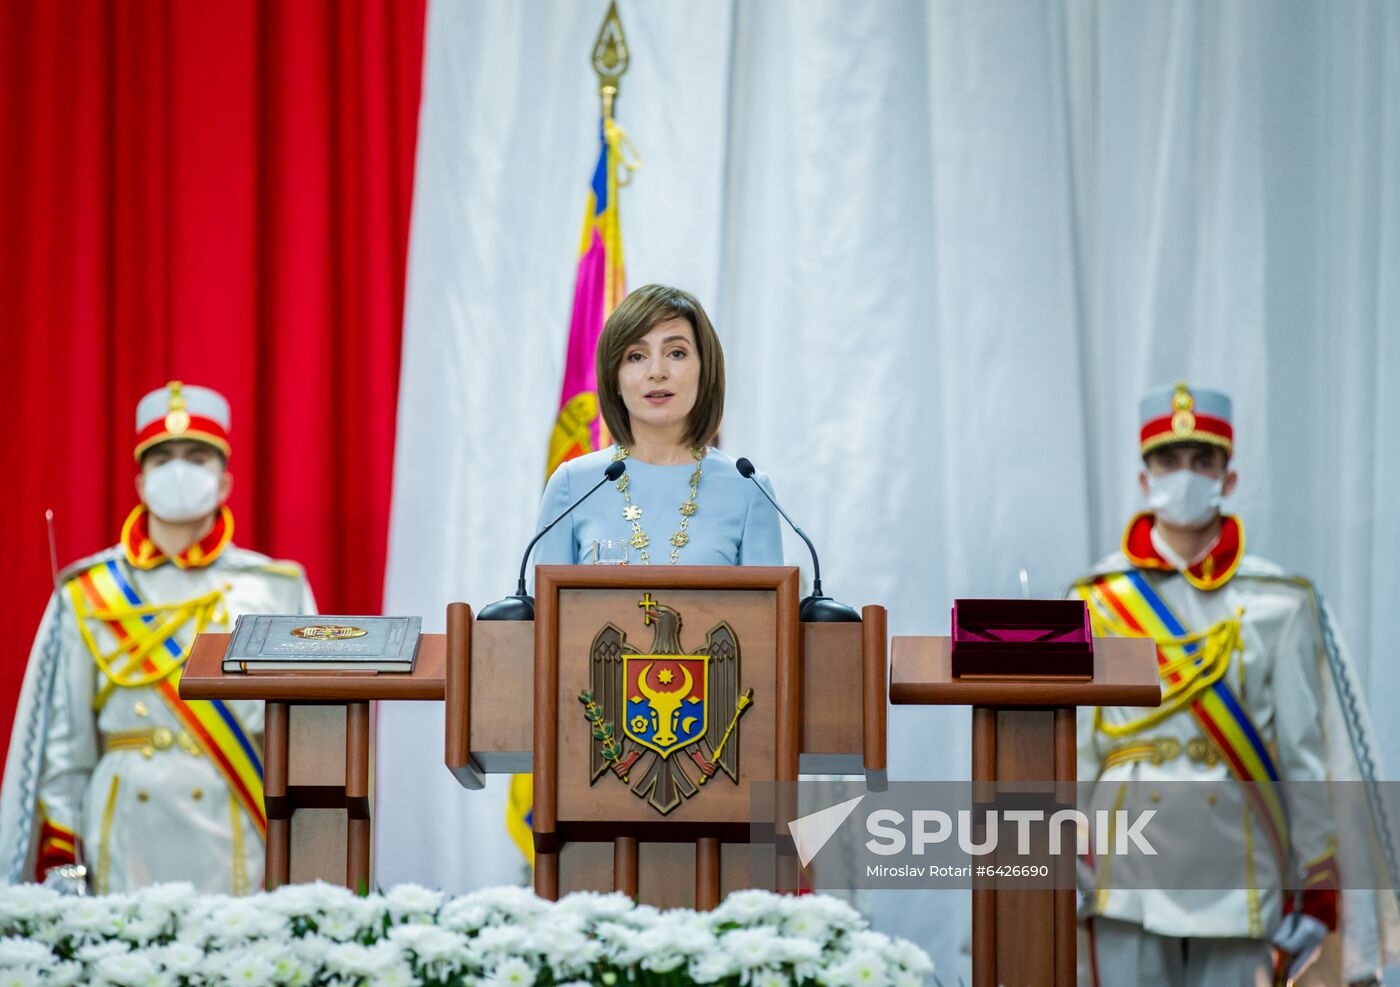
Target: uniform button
(1156, 796)
(143, 797)
(1210, 798)
(141, 710)
(197, 794)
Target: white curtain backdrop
(947, 245)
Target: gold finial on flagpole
(610, 58)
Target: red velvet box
(1040, 638)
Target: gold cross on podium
(648, 606)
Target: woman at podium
(681, 501)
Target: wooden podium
(1024, 730)
(318, 752)
(645, 701)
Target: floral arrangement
(317, 935)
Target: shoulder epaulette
(282, 568)
(250, 561)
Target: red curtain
(217, 193)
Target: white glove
(69, 879)
(1300, 937)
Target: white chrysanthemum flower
(464, 914)
(133, 969)
(595, 906)
(397, 976)
(171, 899)
(641, 916)
(749, 907)
(655, 952)
(21, 976)
(364, 961)
(412, 899)
(802, 954)
(97, 953)
(503, 940)
(514, 903)
(180, 958)
(27, 902)
(770, 978)
(806, 924)
(441, 949)
(241, 920)
(65, 974)
(692, 936)
(860, 969)
(323, 896)
(905, 954)
(145, 928)
(621, 944)
(829, 911)
(23, 952)
(570, 952)
(753, 948)
(313, 949)
(89, 917)
(904, 978)
(875, 942)
(513, 972)
(49, 931)
(293, 900)
(290, 968)
(339, 927)
(712, 966)
(249, 966)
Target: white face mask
(179, 491)
(1184, 497)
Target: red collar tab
(143, 554)
(1211, 572)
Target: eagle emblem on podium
(664, 721)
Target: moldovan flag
(496, 267)
(579, 427)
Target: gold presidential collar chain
(633, 514)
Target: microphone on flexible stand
(817, 608)
(521, 605)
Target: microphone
(817, 608)
(520, 605)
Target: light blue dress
(732, 525)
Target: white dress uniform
(1276, 676)
(1269, 637)
(109, 755)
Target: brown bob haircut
(639, 313)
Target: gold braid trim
(143, 643)
(1199, 671)
(104, 842)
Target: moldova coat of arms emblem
(654, 714)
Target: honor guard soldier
(113, 781)
(1256, 683)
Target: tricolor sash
(147, 638)
(1128, 604)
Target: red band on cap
(200, 429)
(1206, 428)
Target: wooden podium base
(318, 804)
(1023, 730)
(318, 751)
(1024, 745)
